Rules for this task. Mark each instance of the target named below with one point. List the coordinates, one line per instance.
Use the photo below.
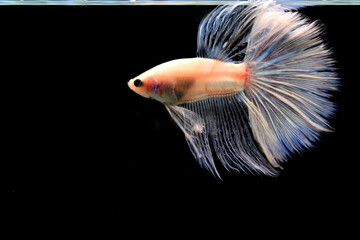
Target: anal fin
(195, 132)
(220, 124)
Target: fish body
(186, 80)
(257, 92)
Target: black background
(80, 150)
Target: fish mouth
(130, 85)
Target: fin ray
(285, 104)
(291, 76)
(193, 126)
(226, 132)
(222, 33)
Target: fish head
(152, 85)
(142, 85)
(137, 85)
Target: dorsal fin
(223, 34)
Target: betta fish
(257, 92)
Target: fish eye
(137, 83)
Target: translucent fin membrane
(196, 134)
(285, 104)
(290, 82)
(223, 34)
(168, 2)
(221, 124)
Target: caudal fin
(285, 103)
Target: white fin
(221, 124)
(223, 34)
(290, 79)
(195, 132)
(285, 104)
